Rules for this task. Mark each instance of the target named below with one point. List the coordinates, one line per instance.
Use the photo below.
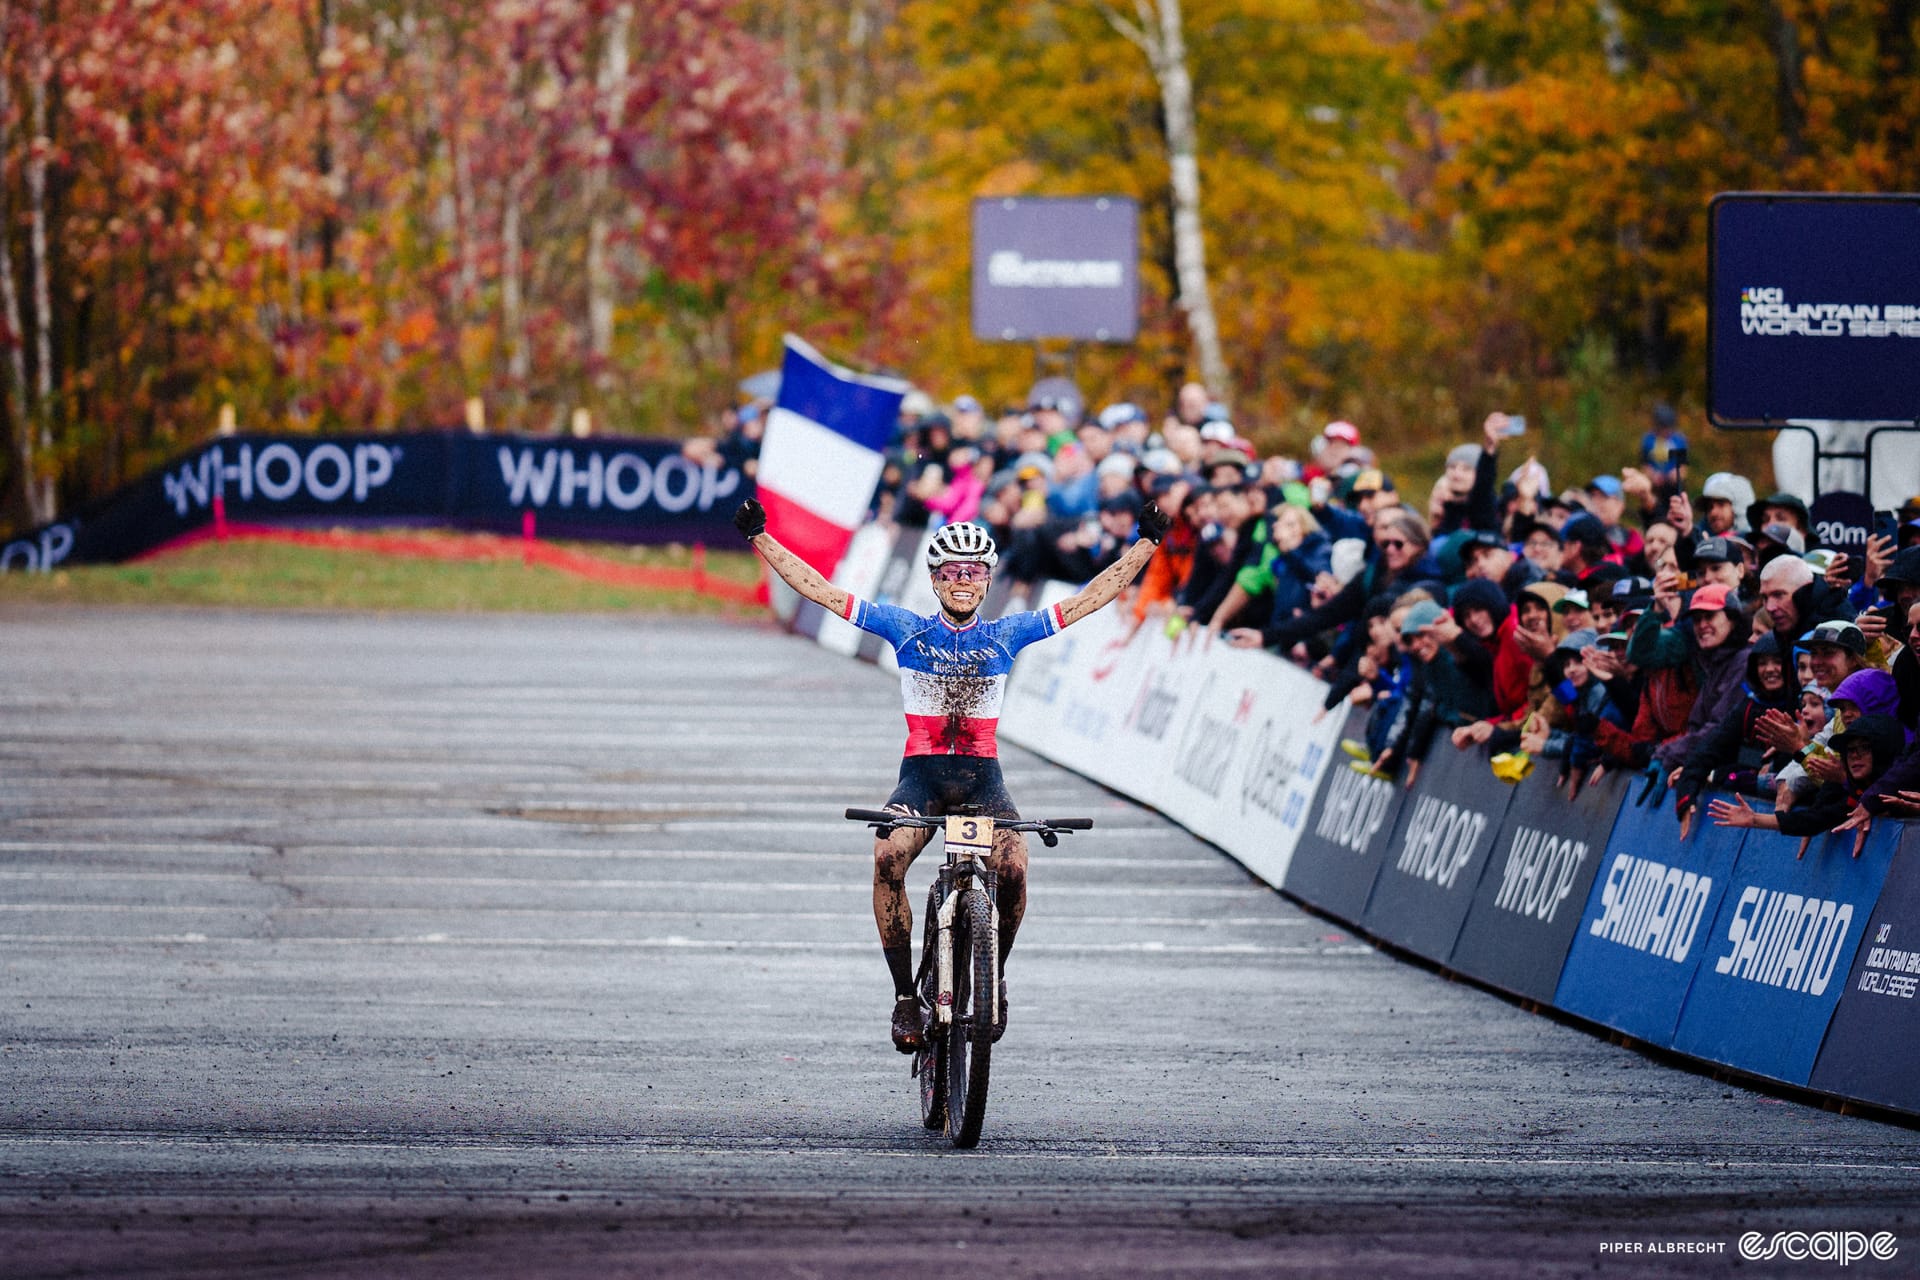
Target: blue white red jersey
(953, 678)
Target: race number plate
(974, 835)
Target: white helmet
(961, 542)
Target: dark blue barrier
(1440, 844)
(1646, 925)
(618, 490)
(1872, 1051)
(1346, 835)
(1780, 949)
(1543, 864)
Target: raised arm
(751, 520)
(1111, 581)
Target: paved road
(496, 947)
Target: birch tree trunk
(611, 89)
(513, 312)
(25, 415)
(42, 503)
(1157, 30)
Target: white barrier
(1223, 741)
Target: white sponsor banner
(1227, 742)
(859, 571)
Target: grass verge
(269, 575)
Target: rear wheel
(969, 1038)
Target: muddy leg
(1009, 864)
(892, 856)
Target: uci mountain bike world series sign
(1813, 308)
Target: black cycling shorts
(933, 786)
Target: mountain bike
(959, 974)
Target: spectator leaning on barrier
(1450, 683)
(1836, 652)
(1862, 754)
(1399, 563)
(1733, 754)
(1713, 640)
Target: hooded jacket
(1733, 742)
(1829, 805)
(1719, 678)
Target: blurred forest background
(357, 214)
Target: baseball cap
(1584, 527)
(1632, 594)
(1119, 415)
(1219, 432)
(1344, 431)
(1713, 598)
(1725, 550)
(1839, 633)
(966, 404)
(1609, 485)
(1420, 617)
(1367, 480)
(1613, 640)
(1479, 538)
(1574, 599)
(1905, 567)
(1724, 486)
(1786, 535)
(1116, 464)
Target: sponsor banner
(1537, 879)
(1070, 697)
(1347, 830)
(609, 490)
(1438, 849)
(1648, 921)
(1780, 950)
(1056, 268)
(1244, 753)
(1872, 1050)
(1813, 308)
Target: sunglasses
(1390, 544)
(963, 573)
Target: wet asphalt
(450, 946)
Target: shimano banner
(1348, 829)
(1054, 268)
(1647, 922)
(609, 490)
(1779, 951)
(1438, 850)
(1543, 864)
(1813, 308)
(1873, 1043)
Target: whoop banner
(821, 457)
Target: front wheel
(969, 1038)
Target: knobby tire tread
(970, 1041)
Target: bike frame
(968, 844)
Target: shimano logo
(1842, 1247)
(1780, 939)
(1651, 907)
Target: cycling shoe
(1000, 1024)
(909, 1025)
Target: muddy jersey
(952, 678)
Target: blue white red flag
(821, 456)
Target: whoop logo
(1843, 1247)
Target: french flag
(821, 456)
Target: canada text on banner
(821, 457)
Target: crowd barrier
(613, 490)
(1729, 947)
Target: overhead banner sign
(1813, 308)
(1647, 923)
(1056, 268)
(1872, 1050)
(616, 490)
(1438, 850)
(1780, 949)
(1528, 905)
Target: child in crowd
(1861, 753)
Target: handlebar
(880, 817)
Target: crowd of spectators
(1699, 636)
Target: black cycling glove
(1153, 522)
(750, 519)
